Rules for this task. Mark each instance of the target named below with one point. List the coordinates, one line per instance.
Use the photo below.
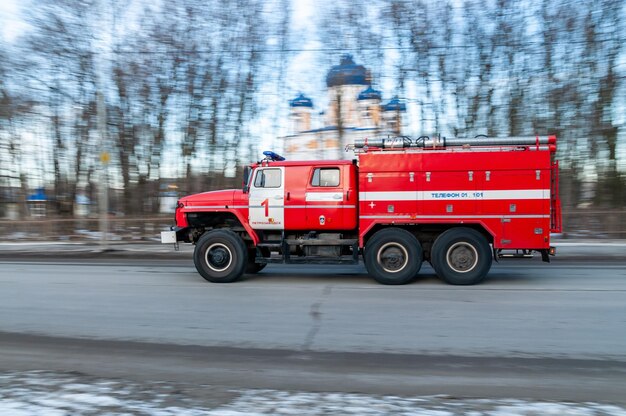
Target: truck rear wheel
(461, 256)
(393, 256)
(220, 256)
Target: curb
(569, 250)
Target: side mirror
(246, 179)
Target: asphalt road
(530, 330)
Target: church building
(355, 111)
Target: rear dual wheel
(461, 256)
(393, 256)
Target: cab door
(267, 199)
(325, 199)
(296, 178)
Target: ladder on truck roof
(426, 142)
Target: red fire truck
(456, 203)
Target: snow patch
(52, 394)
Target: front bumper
(175, 235)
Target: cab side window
(268, 178)
(325, 177)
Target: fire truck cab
(456, 203)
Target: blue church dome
(348, 73)
(301, 101)
(369, 94)
(394, 105)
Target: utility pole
(104, 156)
(104, 177)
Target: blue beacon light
(273, 156)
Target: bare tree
(183, 82)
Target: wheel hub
(392, 257)
(462, 257)
(218, 257)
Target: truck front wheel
(393, 256)
(461, 256)
(220, 256)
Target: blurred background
(122, 106)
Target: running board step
(307, 260)
(270, 244)
(320, 242)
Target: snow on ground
(62, 394)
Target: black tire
(220, 256)
(393, 256)
(252, 267)
(461, 256)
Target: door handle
(337, 196)
(278, 197)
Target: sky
(302, 69)
(303, 73)
(11, 24)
